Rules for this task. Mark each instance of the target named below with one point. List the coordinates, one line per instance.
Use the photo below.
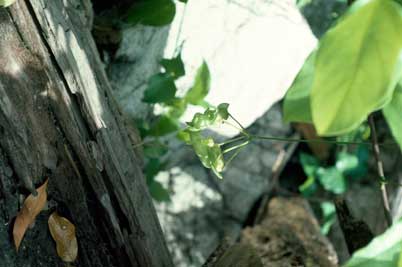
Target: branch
(380, 171)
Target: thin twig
(380, 171)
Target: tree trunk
(58, 120)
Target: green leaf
(155, 150)
(142, 126)
(309, 163)
(201, 86)
(176, 107)
(208, 152)
(152, 168)
(309, 187)
(163, 126)
(346, 162)
(152, 12)
(357, 66)
(383, 251)
(174, 67)
(296, 106)
(185, 136)
(161, 89)
(6, 3)
(329, 215)
(393, 115)
(332, 180)
(158, 192)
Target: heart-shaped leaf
(33, 205)
(63, 232)
(357, 66)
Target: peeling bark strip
(57, 118)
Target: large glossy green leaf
(357, 66)
(6, 3)
(152, 12)
(201, 86)
(383, 251)
(161, 89)
(393, 115)
(296, 106)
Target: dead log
(58, 120)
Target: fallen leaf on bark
(33, 205)
(63, 232)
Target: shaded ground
(321, 14)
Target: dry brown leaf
(63, 232)
(33, 205)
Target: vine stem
(297, 140)
(380, 171)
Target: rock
(136, 61)
(254, 49)
(289, 235)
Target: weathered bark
(58, 120)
